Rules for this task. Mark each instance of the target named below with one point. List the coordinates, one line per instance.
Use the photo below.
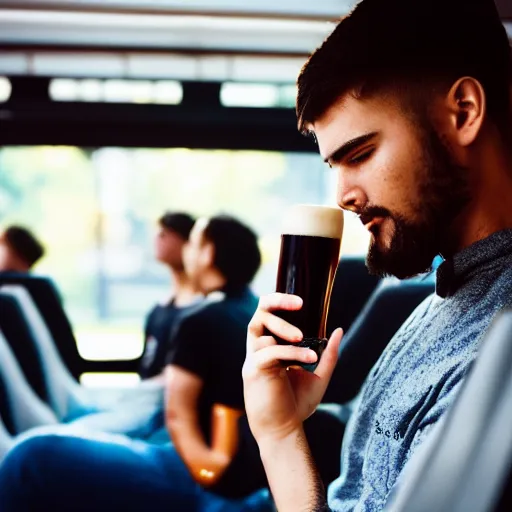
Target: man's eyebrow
(340, 153)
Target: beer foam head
(313, 220)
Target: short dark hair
(178, 222)
(237, 255)
(26, 246)
(405, 44)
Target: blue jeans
(62, 472)
(141, 421)
(136, 413)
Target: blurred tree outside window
(96, 212)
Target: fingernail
(312, 356)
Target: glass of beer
(310, 251)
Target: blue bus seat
(352, 287)
(48, 301)
(386, 310)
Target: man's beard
(444, 193)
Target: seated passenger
(174, 231)
(212, 446)
(19, 250)
(410, 103)
(142, 418)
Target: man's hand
(277, 399)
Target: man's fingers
(277, 326)
(276, 301)
(329, 357)
(272, 302)
(266, 341)
(281, 328)
(272, 356)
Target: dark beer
(310, 249)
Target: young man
(173, 233)
(212, 445)
(139, 413)
(19, 250)
(410, 104)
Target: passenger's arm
(206, 464)
(225, 430)
(278, 401)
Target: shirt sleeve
(190, 346)
(147, 323)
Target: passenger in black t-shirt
(213, 459)
(139, 411)
(173, 233)
(205, 406)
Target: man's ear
(467, 106)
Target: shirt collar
(228, 291)
(466, 264)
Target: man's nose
(351, 196)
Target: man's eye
(361, 157)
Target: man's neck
(212, 281)
(490, 209)
(16, 267)
(184, 291)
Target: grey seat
(466, 463)
(64, 394)
(47, 299)
(21, 340)
(21, 408)
(6, 440)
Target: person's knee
(22, 470)
(28, 454)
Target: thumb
(329, 357)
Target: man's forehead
(337, 124)
(347, 119)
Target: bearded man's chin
(398, 263)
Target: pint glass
(310, 250)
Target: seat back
(6, 440)
(20, 338)
(387, 309)
(21, 408)
(48, 302)
(352, 287)
(64, 394)
(465, 464)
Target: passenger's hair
(178, 222)
(237, 255)
(410, 48)
(24, 244)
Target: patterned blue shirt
(420, 372)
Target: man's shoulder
(34, 283)
(218, 303)
(194, 314)
(10, 275)
(217, 312)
